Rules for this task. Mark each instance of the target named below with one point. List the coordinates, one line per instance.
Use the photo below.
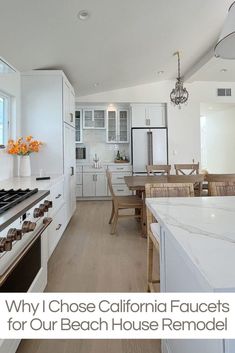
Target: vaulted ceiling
(122, 43)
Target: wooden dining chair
(186, 169)
(158, 169)
(221, 188)
(153, 229)
(122, 203)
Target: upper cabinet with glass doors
(117, 126)
(78, 126)
(94, 118)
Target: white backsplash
(95, 142)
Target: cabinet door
(156, 115)
(88, 184)
(88, 121)
(101, 185)
(66, 102)
(99, 118)
(138, 115)
(112, 126)
(123, 123)
(71, 108)
(69, 170)
(78, 126)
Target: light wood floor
(89, 259)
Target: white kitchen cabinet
(69, 170)
(148, 115)
(56, 229)
(101, 185)
(78, 126)
(117, 126)
(118, 173)
(47, 104)
(88, 184)
(123, 126)
(177, 275)
(94, 185)
(94, 118)
(79, 181)
(111, 135)
(68, 103)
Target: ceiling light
(96, 84)
(225, 47)
(223, 70)
(161, 72)
(179, 94)
(83, 15)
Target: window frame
(6, 117)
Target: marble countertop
(30, 182)
(204, 228)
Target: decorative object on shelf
(23, 147)
(225, 47)
(179, 94)
(121, 158)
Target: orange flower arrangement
(23, 147)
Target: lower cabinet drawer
(56, 229)
(121, 190)
(120, 168)
(118, 178)
(56, 196)
(78, 190)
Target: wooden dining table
(137, 183)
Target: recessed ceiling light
(223, 70)
(161, 72)
(83, 15)
(96, 84)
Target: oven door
(28, 272)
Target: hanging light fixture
(225, 48)
(179, 94)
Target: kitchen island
(197, 247)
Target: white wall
(10, 84)
(184, 123)
(218, 132)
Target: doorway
(217, 137)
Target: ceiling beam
(198, 64)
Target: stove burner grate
(10, 198)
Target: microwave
(80, 153)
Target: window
(4, 118)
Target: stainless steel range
(23, 222)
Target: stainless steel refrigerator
(148, 146)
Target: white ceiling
(123, 43)
(213, 70)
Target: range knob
(14, 234)
(48, 203)
(5, 244)
(28, 226)
(43, 208)
(38, 212)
